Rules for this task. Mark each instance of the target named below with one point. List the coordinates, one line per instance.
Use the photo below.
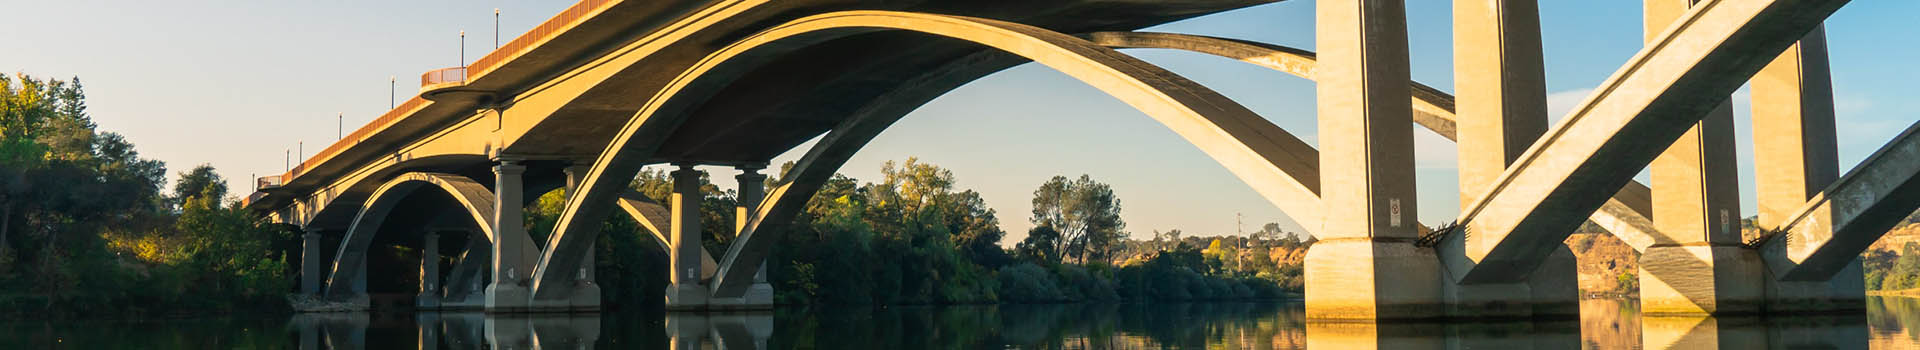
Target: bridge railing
(443, 76)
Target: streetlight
(463, 51)
(496, 28)
(391, 92)
(340, 126)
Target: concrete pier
(310, 265)
(1697, 264)
(586, 293)
(752, 189)
(1501, 104)
(429, 297)
(508, 292)
(1365, 265)
(1796, 154)
(686, 291)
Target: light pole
(340, 126)
(391, 91)
(463, 52)
(496, 28)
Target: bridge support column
(1797, 156)
(508, 293)
(1500, 82)
(752, 191)
(1699, 266)
(1365, 265)
(586, 293)
(687, 291)
(429, 297)
(466, 284)
(310, 265)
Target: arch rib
(1276, 164)
(350, 260)
(1625, 215)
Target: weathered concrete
(1365, 265)
(1796, 154)
(1864, 204)
(686, 291)
(1689, 69)
(1501, 83)
(1696, 206)
(429, 296)
(508, 292)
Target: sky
(237, 84)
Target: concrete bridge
(606, 87)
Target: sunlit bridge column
(508, 291)
(687, 291)
(1501, 99)
(752, 189)
(429, 297)
(586, 293)
(310, 264)
(1796, 155)
(1699, 266)
(1365, 265)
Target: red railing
(566, 19)
(443, 76)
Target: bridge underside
(737, 83)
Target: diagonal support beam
(655, 218)
(1625, 215)
(1864, 204)
(1685, 72)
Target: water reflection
(1605, 324)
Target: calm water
(1606, 324)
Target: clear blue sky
(236, 83)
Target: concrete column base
(1846, 291)
(586, 298)
(687, 296)
(1372, 279)
(1700, 280)
(757, 297)
(504, 297)
(426, 302)
(1552, 291)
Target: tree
(1041, 244)
(1085, 212)
(201, 182)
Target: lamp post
(463, 51)
(340, 126)
(496, 28)
(391, 91)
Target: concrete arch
(1275, 163)
(1625, 215)
(349, 268)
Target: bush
(1028, 283)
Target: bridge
(586, 99)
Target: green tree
(201, 182)
(1085, 212)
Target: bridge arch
(349, 266)
(1275, 163)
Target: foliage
(85, 229)
(1085, 214)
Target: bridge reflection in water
(1605, 324)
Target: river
(1889, 323)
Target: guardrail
(546, 30)
(269, 182)
(450, 75)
